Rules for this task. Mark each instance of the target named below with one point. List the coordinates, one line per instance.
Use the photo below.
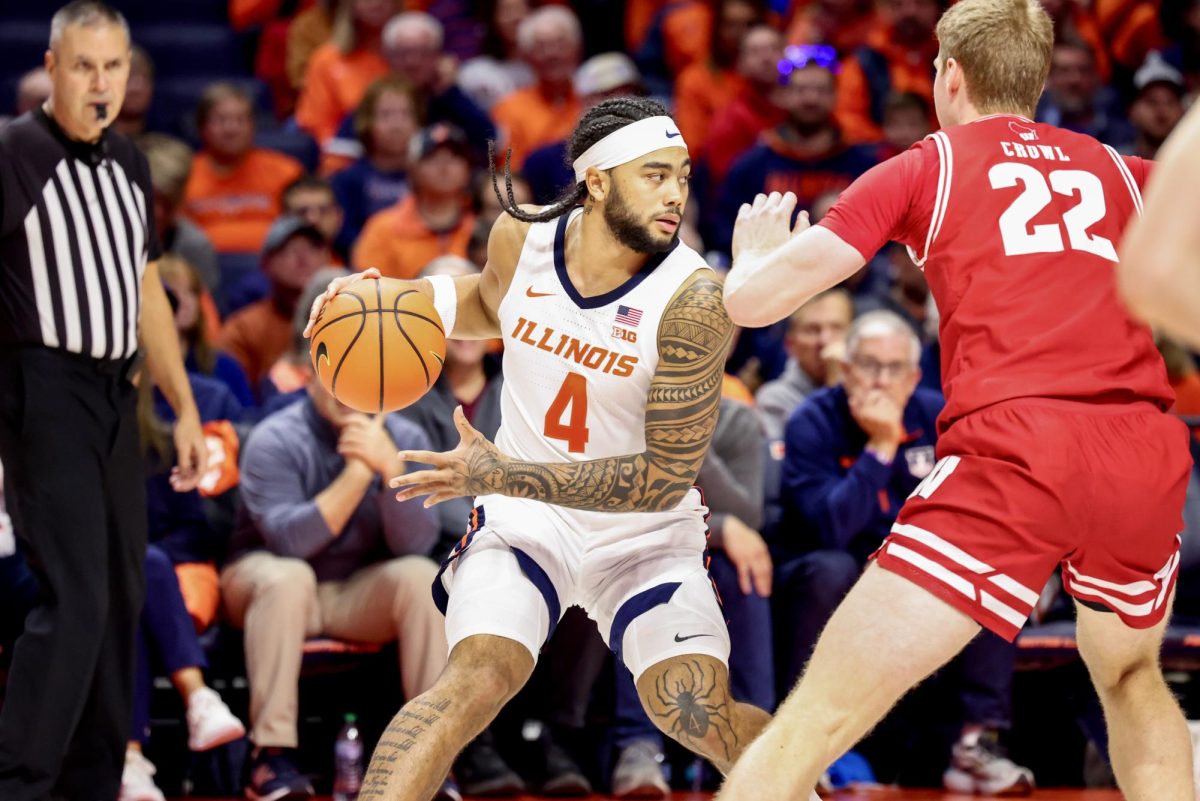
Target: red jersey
(1016, 225)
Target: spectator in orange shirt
(898, 57)
(258, 334)
(340, 70)
(233, 191)
(434, 220)
(707, 87)
(736, 129)
(842, 24)
(309, 30)
(552, 42)
(311, 198)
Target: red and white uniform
(1054, 443)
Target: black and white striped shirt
(76, 233)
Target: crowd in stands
(357, 135)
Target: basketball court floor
(880, 794)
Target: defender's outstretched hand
(766, 224)
(475, 467)
(335, 286)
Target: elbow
(662, 502)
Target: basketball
(378, 346)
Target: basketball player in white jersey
(1159, 270)
(615, 337)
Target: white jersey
(577, 375)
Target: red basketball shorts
(1024, 486)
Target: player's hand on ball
(335, 286)
(475, 467)
(766, 224)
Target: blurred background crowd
(292, 140)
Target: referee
(79, 291)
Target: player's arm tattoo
(681, 416)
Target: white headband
(628, 143)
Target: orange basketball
(378, 345)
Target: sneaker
(639, 772)
(210, 723)
(137, 780)
(563, 777)
(978, 765)
(480, 770)
(448, 792)
(274, 777)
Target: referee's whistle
(101, 111)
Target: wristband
(445, 300)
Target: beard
(632, 232)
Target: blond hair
(170, 161)
(1003, 47)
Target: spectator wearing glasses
(853, 453)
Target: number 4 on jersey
(572, 395)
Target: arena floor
(881, 794)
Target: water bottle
(347, 762)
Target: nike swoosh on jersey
(672, 135)
(529, 293)
(690, 637)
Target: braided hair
(599, 121)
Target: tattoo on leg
(688, 713)
(410, 724)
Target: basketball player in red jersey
(1159, 274)
(1054, 445)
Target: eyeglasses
(797, 57)
(874, 370)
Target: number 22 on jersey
(1020, 238)
(569, 405)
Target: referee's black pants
(75, 485)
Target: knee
(486, 678)
(290, 581)
(1115, 678)
(408, 574)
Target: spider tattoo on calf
(686, 707)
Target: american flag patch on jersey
(627, 315)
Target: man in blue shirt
(323, 547)
(853, 453)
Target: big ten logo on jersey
(569, 348)
(624, 334)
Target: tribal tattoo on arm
(681, 416)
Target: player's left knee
(688, 699)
